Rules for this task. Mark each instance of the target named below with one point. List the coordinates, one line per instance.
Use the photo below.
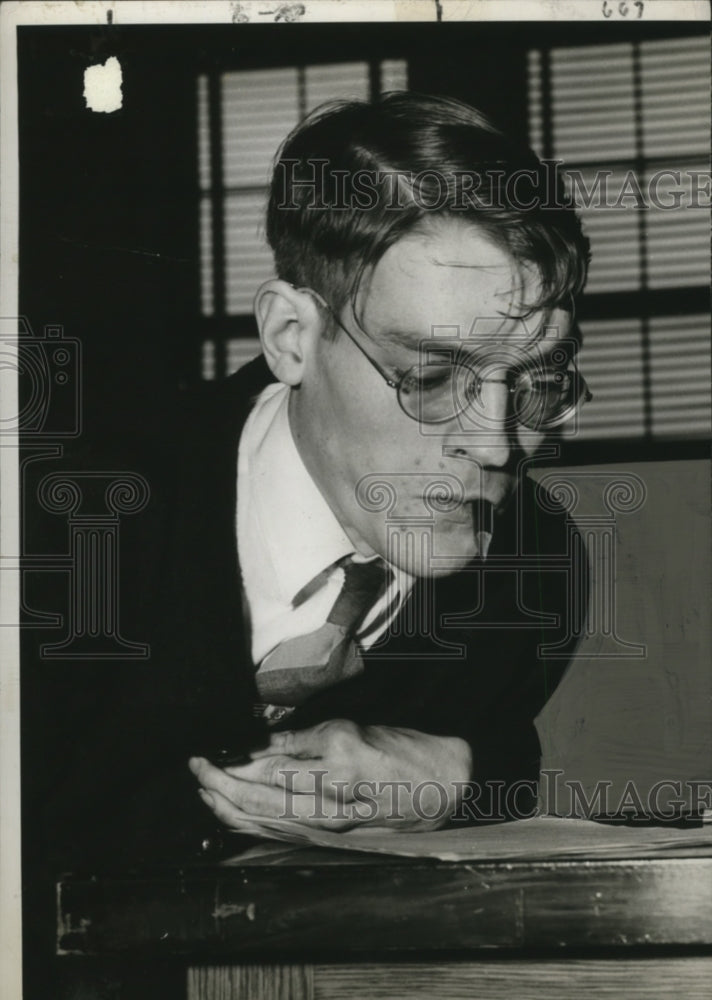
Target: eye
(433, 378)
(426, 378)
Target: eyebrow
(412, 341)
(542, 346)
(402, 337)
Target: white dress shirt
(287, 534)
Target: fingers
(296, 775)
(339, 774)
(308, 795)
(259, 800)
(237, 802)
(309, 775)
(225, 810)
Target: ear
(289, 322)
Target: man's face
(377, 467)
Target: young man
(418, 348)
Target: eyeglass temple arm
(325, 305)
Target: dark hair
(354, 177)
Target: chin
(442, 549)
(447, 558)
(454, 566)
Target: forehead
(449, 280)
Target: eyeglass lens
(540, 397)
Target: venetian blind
(257, 110)
(631, 123)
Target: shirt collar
(300, 532)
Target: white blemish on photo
(102, 86)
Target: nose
(484, 432)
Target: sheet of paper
(541, 837)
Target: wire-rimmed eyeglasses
(544, 393)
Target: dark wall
(108, 225)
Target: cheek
(360, 429)
(349, 440)
(353, 402)
(375, 435)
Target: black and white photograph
(356, 554)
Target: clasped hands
(338, 775)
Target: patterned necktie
(299, 667)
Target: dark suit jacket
(479, 678)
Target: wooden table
(320, 924)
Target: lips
(462, 510)
(498, 501)
(457, 503)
